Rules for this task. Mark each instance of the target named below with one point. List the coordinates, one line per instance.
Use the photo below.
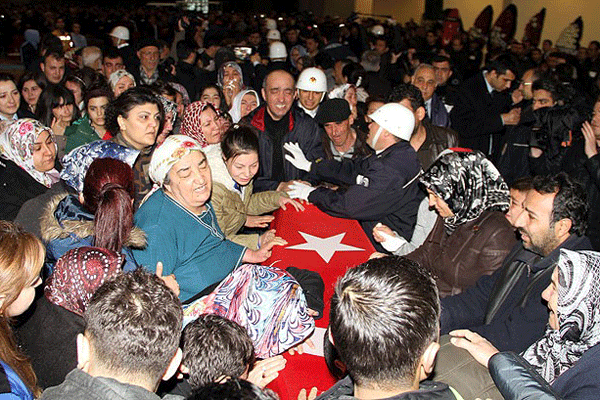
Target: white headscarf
(173, 149)
(236, 105)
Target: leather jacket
(474, 249)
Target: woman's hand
(169, 280)
(378, 229)
(57, 126)
(260, 255)
(266, 237)
(265, 371)
(591, 147)
(312, 395)
(286, 200)
(478, 346)
(258, 221)
(300, 348)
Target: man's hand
(512, 117)
(169, 280)
(478, 346)
(296, 156)
(265, 371)
(517, 96)
(258, 221)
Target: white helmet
(120, 32)
(277, 50)
(273, 34)
(378, 30)
(312, 79)
(396, 119)
(271, 23)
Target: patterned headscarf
(469, 183)
(578, 311)
(173, 149)
(301, 50)
(191, 126)
(77, 162)
(182, 91)
(169, 106)
(78, 274)
(235, 112)
(16, 145)
(116, 76)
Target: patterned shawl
(16, 145)
(578, 315)
(78, 274)
(469, 183)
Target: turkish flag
(329, 246)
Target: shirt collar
(490, 89)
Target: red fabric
(306, 371)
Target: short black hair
(384, 314)
(439, 59)
(523, 184)
(213, 347)
(501, 64)
(550, 85)
(184, 49)
(570, 200)
(409, 92)
(133, 323)
(239, 139)
(135, 96)
(232, 389)
(111, 53)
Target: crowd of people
(143, 150)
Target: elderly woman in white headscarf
(181, 205)
(231, 80)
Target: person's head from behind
(132, 330)
(53, 66)
(137, 115)
(21, 259)
(384, 323)
(240, 153)
(554, 209)
(215, 348)
(10, 98)
(518, 191)
(108, 191)
(232, 389)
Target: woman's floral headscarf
(173, 149)
(16, 144)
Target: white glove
(299, 190)
(391, 243)
(296, 156)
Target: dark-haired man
(384, 327)
(505, 307)
(112, 61)
(482, 107)
(130, 341)
(53, 67)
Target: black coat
(16, 187)
(506, 307)
(48, 336)
(381, 195)
(476, 115)
(302, 129)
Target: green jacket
(79, 133)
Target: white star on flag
(325, 247)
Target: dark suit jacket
(476, 115)
(439, 114)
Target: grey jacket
(80, 385)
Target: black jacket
(16, 187)
(506, 307)
(344, 390)
(302, 129)
(381, 188)
(476, 115)
(516, 379)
